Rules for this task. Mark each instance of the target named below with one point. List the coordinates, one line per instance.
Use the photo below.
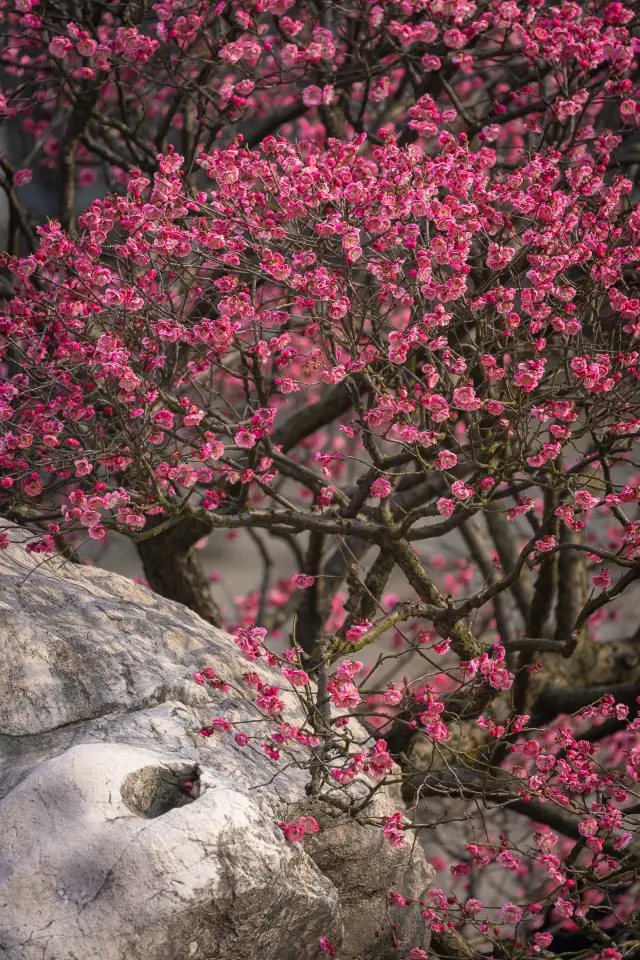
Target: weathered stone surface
(87, 877)
(364, 881)
(103, 851)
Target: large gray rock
(105, 854)
(89, 876)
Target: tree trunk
(173, 569)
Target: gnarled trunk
(173, 569)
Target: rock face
(105, 853)
(87, 875)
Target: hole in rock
(152, 791)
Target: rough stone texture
(86, 877)
(363, 881)
(103, 853)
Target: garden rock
(126, 834)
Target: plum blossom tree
(92, 92)
(366, 281)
